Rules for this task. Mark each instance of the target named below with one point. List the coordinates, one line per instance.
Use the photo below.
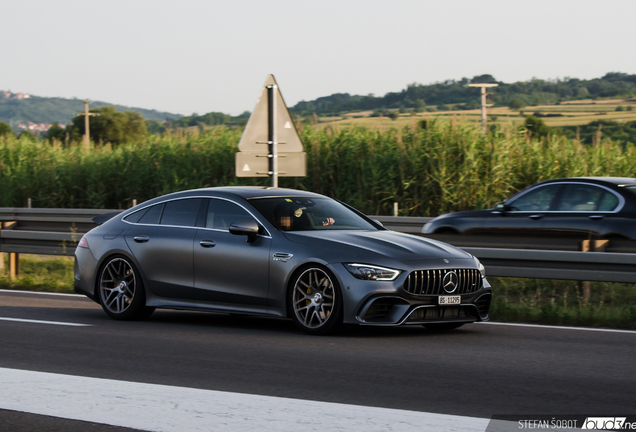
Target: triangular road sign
(256, 129)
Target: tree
(516, 104)
(115, 127)
(55, 132)
(5, 130)
(536, 127)
(483, 79)
(27, 134)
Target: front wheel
(121, 291)
(315, 301)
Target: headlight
(369, 272)
(481, 267)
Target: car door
(227, 268)
(582, 211)
(162, 241)
(523, 214)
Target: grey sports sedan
(275, 252)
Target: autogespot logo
(607, 423)
(450, 281)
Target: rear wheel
(121, 291)
(315, 301)
(443, 326)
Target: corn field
(442, 168)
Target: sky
(192, 56)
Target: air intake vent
(483, 305)
(431, 282)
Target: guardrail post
(14, 265)
(585, 287)
(14, 258)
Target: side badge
(282, 256)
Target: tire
(121, 291)
(443, 326)
(315, 301)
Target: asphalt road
(478, 370)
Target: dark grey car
(276, 252)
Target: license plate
(450, 300)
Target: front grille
(442, 313)
(430, 282)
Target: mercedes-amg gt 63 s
(275, 252)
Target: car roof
(249, 192)
(600, 180)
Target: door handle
(536, 216)
(207, 243)
(141, 239)
(596, 217)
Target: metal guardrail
(44, 231)
(57, 231)
(567, 265)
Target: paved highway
(476, 371)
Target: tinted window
(539, 199)
(222, 214)
(153, 215)
(301, 214)
(134, 217)
(609, 202)
(181, 212)
(582, 197)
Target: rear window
(153, 215)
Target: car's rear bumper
(84, 273)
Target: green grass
(40, 273)
(557, 302)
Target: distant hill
(19, 108)
(418, 96)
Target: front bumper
(385, 303)
(391, 311)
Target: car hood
(467, 213)
(390, 244)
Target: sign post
(483, 103)
(271, 124)
(86, 139)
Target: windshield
(307, 214)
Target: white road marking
(45, 322)
(161, 408)
(558, 327)
(42, 293)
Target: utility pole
(86, 114)
(483, 102)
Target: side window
(181, 212)
(153, 215)
(539, 199)
(609, 202)
(134, 217)
(222, 214)
(581, 197)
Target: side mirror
(378, 222)
(245, 227)
(501, 207)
